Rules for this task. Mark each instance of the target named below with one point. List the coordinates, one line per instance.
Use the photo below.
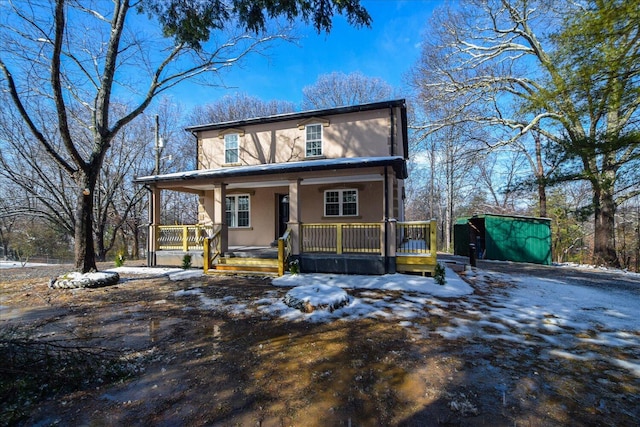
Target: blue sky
(388, 49)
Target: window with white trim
(341, 202)
(231, 148)
(238, 211)
(314, 141)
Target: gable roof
(302, 115)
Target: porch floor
(262, 252)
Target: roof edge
(301, 115)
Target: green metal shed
(508, 238)
(461, 236)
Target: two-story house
(326, 185)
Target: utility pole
(159, 144)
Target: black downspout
(392, 140)
(197, 150)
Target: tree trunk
(540, 177)
(542, 198)
(101, 252)
(85, 255)
(604, 248)
(135, 250)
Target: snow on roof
(397, 162)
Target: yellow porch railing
(416, 237)
(212, 251)
(342, 238)
(284, 251)
(416, 246)
(183, 237)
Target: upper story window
(231, 152)
(238, 211)
(314, 140)
(341, 202)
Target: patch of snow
(18, 264)
(316, 296)
(146, 271)
(633, 367)
(98, 275)
(454, 287)
(185, 274)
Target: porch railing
(416, 238)
(183, 237)
(284, 251)
(342, 238)
(212, 251)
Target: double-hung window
(238, 211)
(341, 203)
(314, 140)
(231, 148)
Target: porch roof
(396, 162)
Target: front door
(283, 214)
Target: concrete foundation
(174, 258)
(346, 264)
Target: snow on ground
(175, 274)
(412, 296)
(389, 282)
(558, 319)
(562, 319)
(18, 264)
(597, 268)
(148, 271)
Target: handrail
(212, 250)
(284, 251)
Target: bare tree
(499, 61)
(339, 89)
(49, 64)
(239, 106)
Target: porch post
(294, 215)
(220, 214)
(154, 223)
(389, 241)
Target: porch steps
(416, 264)
(246, 266)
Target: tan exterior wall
(263, 219)
(263, 205)
(361, 134)
(369, 203)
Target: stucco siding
(362, 134)
(369, 203)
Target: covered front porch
(346, 248)
(335, 216)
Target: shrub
(120, 259)
(294, 266)
(186, 262)
(438, 275)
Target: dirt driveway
(180, 362)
